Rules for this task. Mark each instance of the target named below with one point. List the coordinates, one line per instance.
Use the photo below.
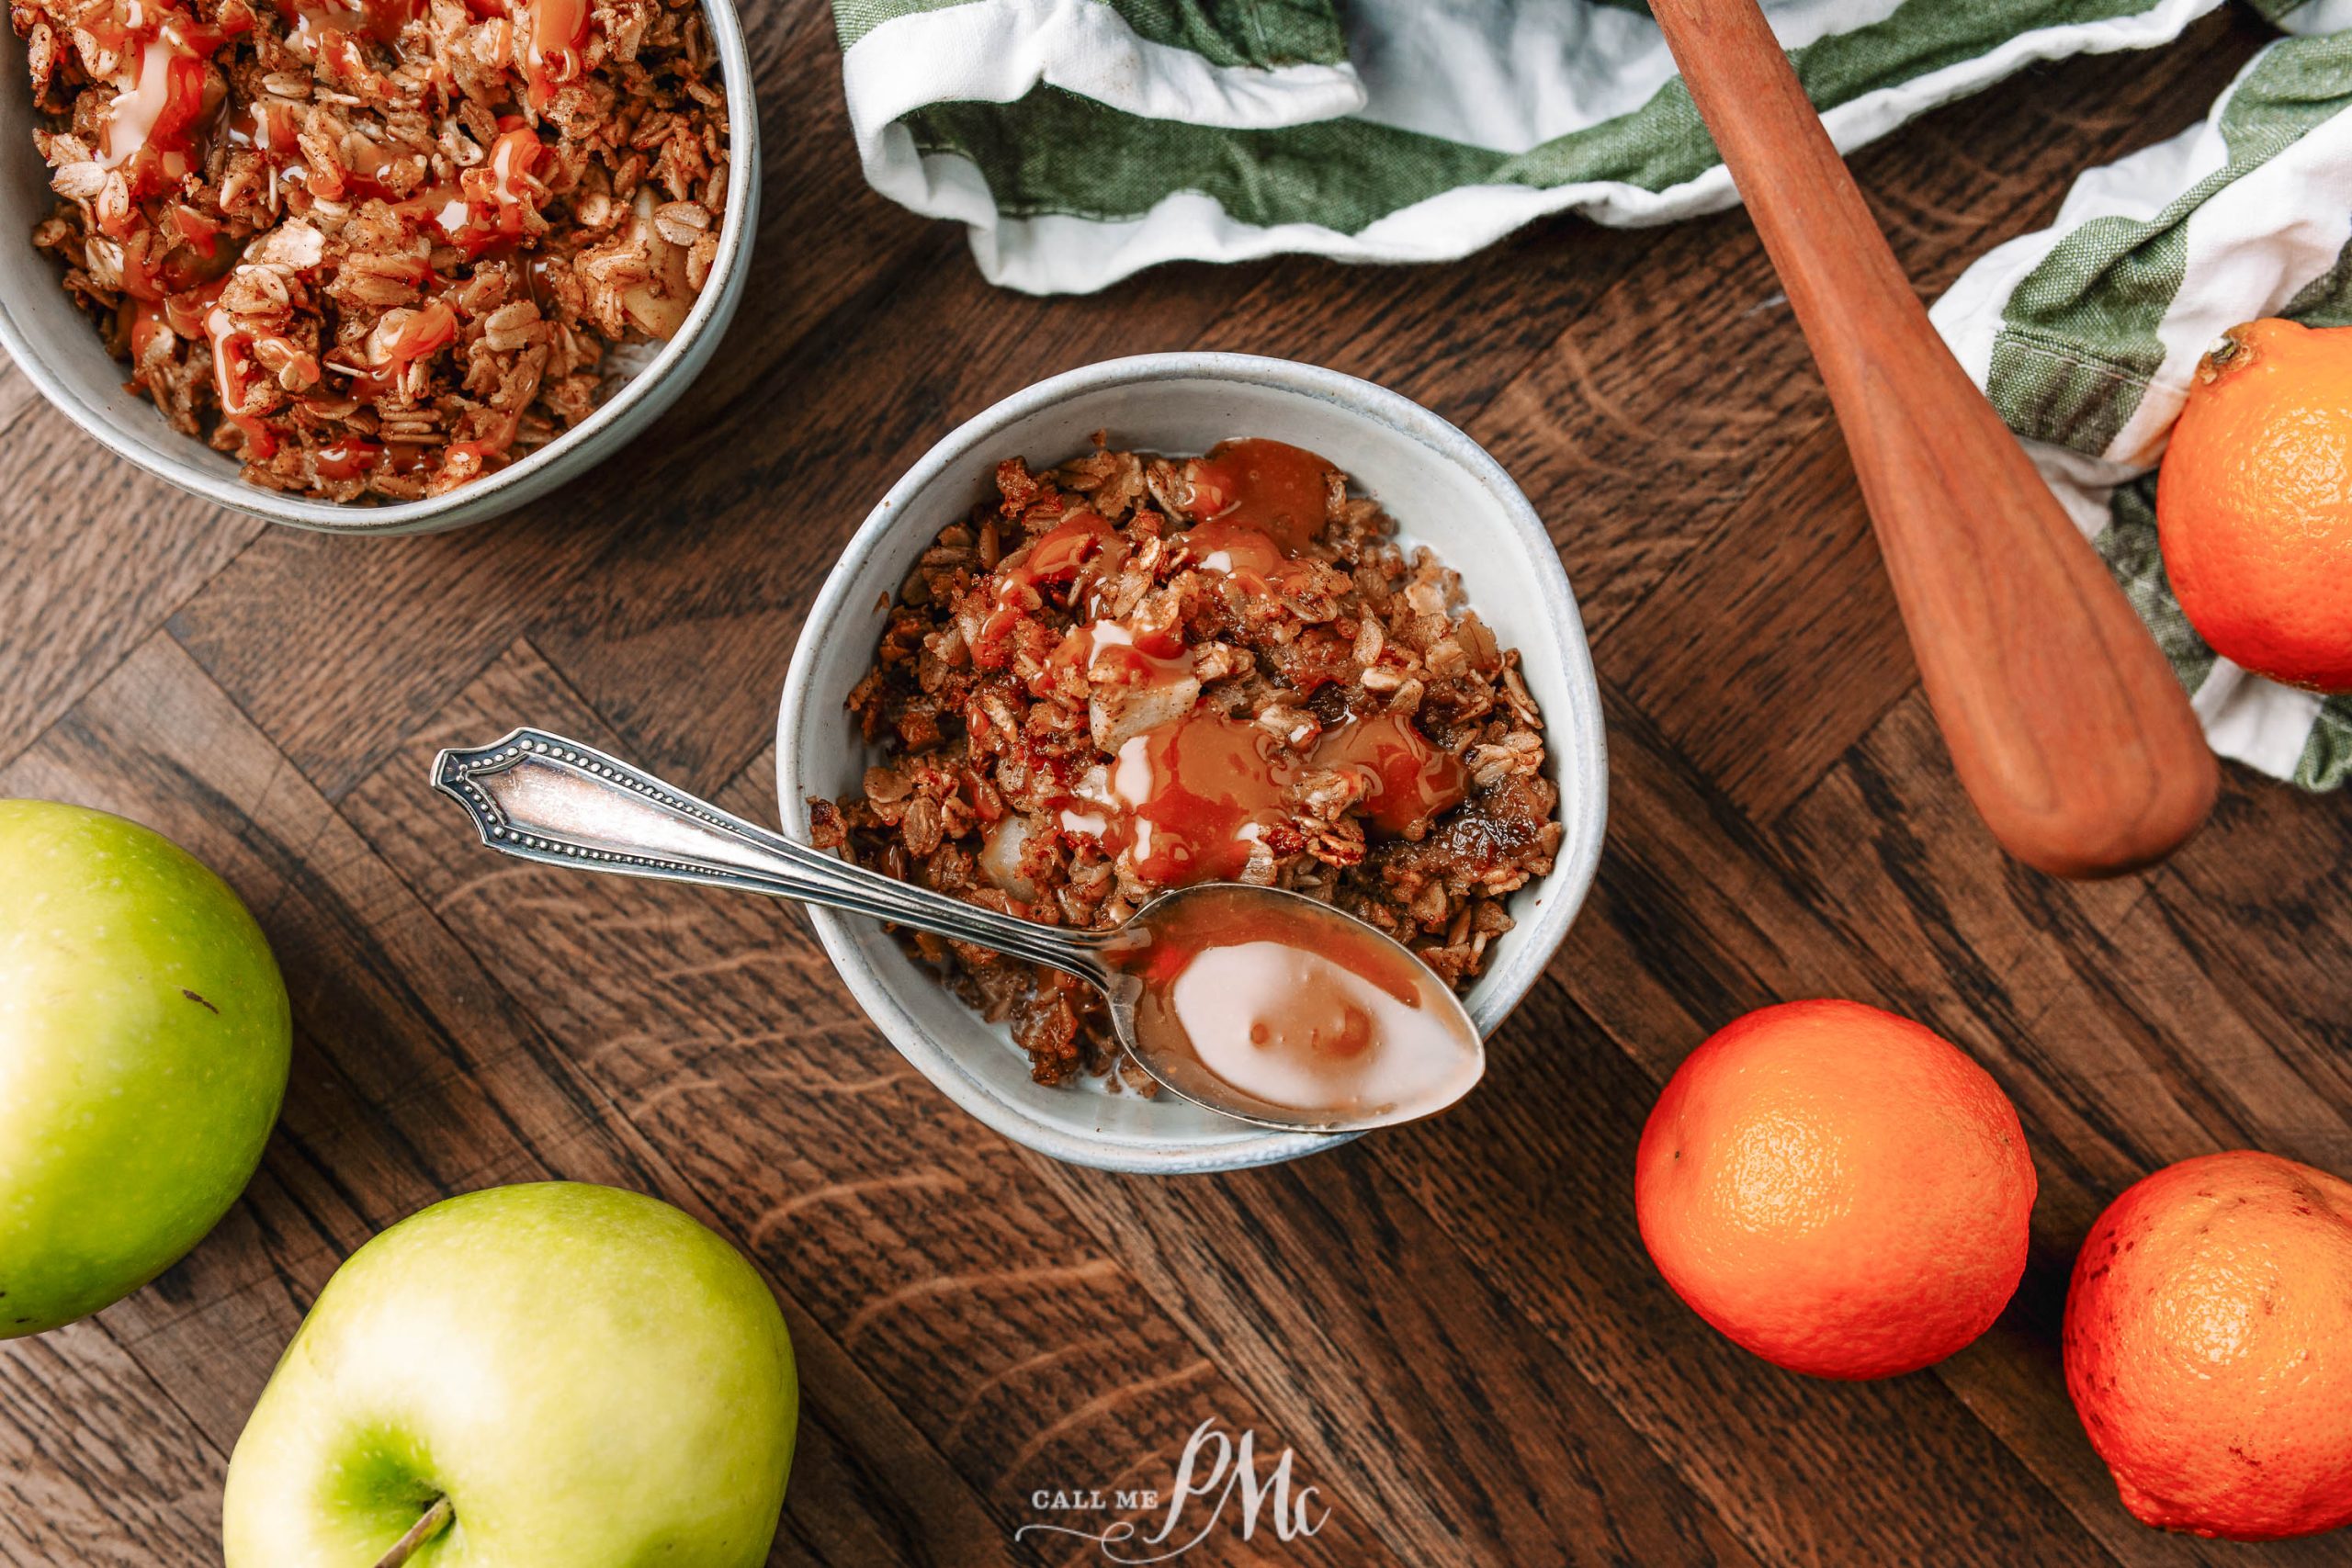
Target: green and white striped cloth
(1082, 140)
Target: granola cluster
(1112, 679)
(377, 248)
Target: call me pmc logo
(1217, 1487)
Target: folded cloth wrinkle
(1082, 140)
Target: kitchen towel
(2085, 336)
(1083, 140)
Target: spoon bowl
(1277, 1009)
(1262, 1005)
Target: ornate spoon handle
(539, 797)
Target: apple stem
(425, 1529)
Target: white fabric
(1516, 74)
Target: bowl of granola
(379, 266)
(1178, 618)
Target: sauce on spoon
(1298, 1007)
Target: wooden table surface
(1454, 1327)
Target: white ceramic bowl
(1442, 491)
(58, 348)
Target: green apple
(589, 1378)
(143, 1043)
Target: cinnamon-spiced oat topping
(1131, 672)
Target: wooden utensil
(2067, 727)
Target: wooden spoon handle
(2066, 726)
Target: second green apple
(586, 1377)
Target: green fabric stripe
(853, 20)
(2062, 394)
(2129, 546)
(2326, 300)
(2080, 342)
(1262, 33)
(1243, 32)
(1663, 145)
(1057, 153)
(2327, 756)
(1054, 153)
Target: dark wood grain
(1294, 1273)
(97, 1464)
(74, 600)
(1801, 620)
(1454, 1327)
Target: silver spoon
(541, 797)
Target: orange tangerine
(1838, 1189)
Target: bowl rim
(486, 497)
(1577, 734)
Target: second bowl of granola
(379, 266)
(1185, 617)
